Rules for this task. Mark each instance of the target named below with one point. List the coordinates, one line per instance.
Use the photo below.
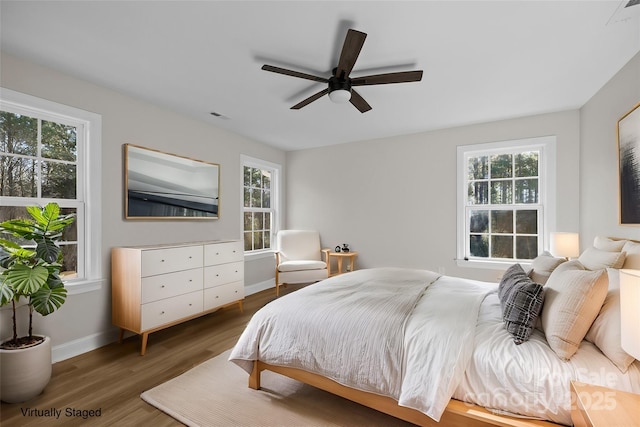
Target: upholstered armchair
(299, 258)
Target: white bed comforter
(334, 329)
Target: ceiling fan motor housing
(336, 83)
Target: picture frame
(162, 185)
(628, 132)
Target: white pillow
(632, 260)
(542, 267)
(596, 259)
(607, 244)
(605, 330)
(573, 297)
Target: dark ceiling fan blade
(359, 102)
(380, 79)
(310, 99)
(350, 50)
(294, 73)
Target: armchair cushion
(299, 245)
(301, 265)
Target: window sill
(490, 265)
(258, 255)
(83, 286)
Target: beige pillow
(632, 260)
(607, 244)
(605, 330)
(543, 266)
(597, 259)
(573, 298)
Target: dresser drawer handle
(162, 312)
(162, 286)
(217, 253)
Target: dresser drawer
(169, 310)
(221, 253)
(166, 260)
(171, 284)
(217, 275)
(221, 295)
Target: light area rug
(216, 393)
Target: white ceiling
(482, 61)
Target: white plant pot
(24, 373)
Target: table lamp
(630, 311)
(565, 245)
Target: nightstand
(341, 255)
(594, 406)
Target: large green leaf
(26, 280)
(48, 250)
(47, 300)
(23, 228)
(6, 291)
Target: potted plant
(32, 273)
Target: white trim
(83, 345)
(547, 181)
(260, 286)
(90, 231)
(276, 198)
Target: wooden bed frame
(457, 413)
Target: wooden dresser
(154, 287)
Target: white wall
(85, 319)
(394, 200)
(599, 155)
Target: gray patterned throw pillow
(521, 301)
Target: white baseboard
(82, 345)
(260, 286)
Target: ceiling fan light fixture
(340, 96)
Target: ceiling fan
(340, 85)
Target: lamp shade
(630, 311)
(565, 244)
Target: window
(260, 185)
(47, 151)
(505, 199)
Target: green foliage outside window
(38, 160)
(503, 199)
(257, 209)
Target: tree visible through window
(503, 200)
(38, 163)
(258, 212)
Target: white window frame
(276, 208)
(546, 145)
(88, 200)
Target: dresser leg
(145, 337)
(241, 306)
(121, 337)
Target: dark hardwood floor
(111, 378)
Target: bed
(436, 350)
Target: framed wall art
(629, 166)
(167, 186)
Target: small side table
(594, 406)
(340, 256)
